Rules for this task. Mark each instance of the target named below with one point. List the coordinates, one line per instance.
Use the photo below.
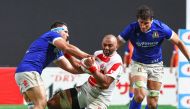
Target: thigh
(27, 80)
(31, 86)
(138, 69)
(153, 85)
(64, 99)
(138, 79)
(60, 100)
(36, 94)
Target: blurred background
(22, 21)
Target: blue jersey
(40, 53)
(147, 45)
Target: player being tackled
(104, 69)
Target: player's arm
(175, 40)
(172, 62)
(66, 65)
(74, 62)
(102, 80)
(128, 54)
(120, 41)
(68, 48)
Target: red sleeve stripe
(114, 68)
(92, 81)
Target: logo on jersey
(146, 44)
(25, 83)
(155, 34)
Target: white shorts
(27, 80)
(87, 101)
(152, 72)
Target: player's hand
(89, 65)
(89, 61)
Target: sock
(134, 105)
(131, 95)
(30, 105)
(146, 107)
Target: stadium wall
(22, 21)
(56, 78)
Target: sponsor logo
(25, 83)
(146, 44)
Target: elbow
(180, 44)
(66, 49)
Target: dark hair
(144, 13)
(58, 24)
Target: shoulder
(159, 24)
(116, 58)
(50, 34)
(98, 52)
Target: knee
(139, 90)
(53, 103)
(139, 98)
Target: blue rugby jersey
(147, 45)
(40, 53)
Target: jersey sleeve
(53, 36)
(126, 33)
(168, 31)
(59, 55)
(115, 70)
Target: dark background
(22, 21)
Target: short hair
(144, 13)
(58, 24)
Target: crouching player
(104, 69)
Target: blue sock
(131, 94)
(134, 105)
(147, 107)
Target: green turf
(111, 107)
(126, 107)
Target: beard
(107, 52)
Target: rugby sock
(146, 107)
(131, 95)
(134, 105)
(30, 105)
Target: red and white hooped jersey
(110, 66)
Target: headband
(58, 29)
